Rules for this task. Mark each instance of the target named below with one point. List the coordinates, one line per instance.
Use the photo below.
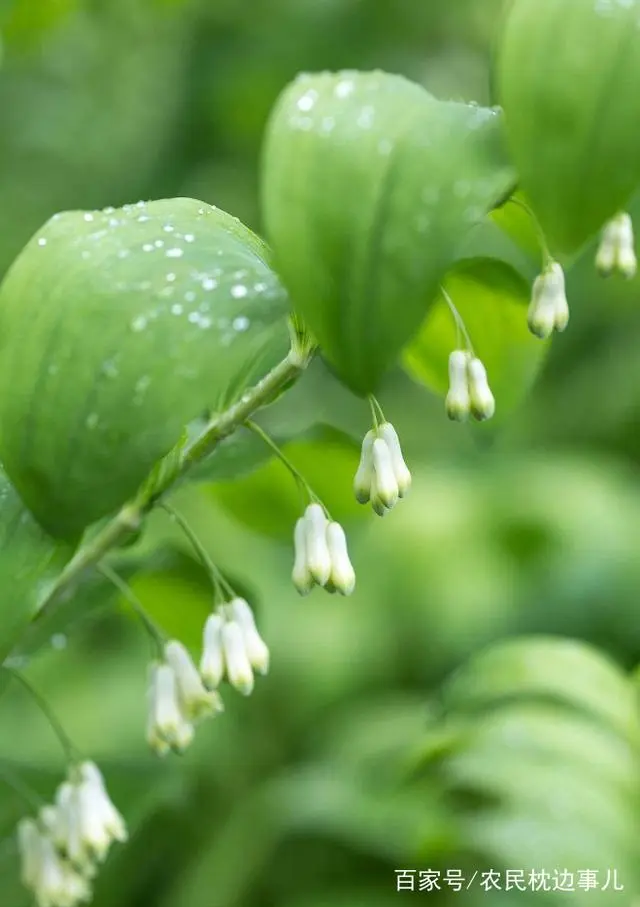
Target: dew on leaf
(174, 253)
(159, 243)
(189, 296)
(344, 88)
(42, 241)
(238, 291)
(171, 277)
(59, 641)
(91, 420)
(148, 247)
(209, 283)
(88, 217)
(241, 323)
(189, 237)
(177, 309)
(139, 323)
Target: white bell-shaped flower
(458, 400)
(99, 822)
(195, 700)
(317, 552)
(616, 250)
(212, 661)
(549, 309)
(342, 577)
(167, 727)
(386, 484)
(301, 575)
(29, 848)
(364, 474)
(255, 646)
(56, 883)
(389, 435)
(483, 404)
(236, 659)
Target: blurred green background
(348, 761)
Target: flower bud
(386, 483)
(541, 317)
(238, 668)
(257, 651)
(364, 474)
(212, 661)
(167, 725)
(403, 477)
(376, 503)
(343, 577)
(195, 701)
(483, 404)
(318, 560)
(458, 402)
(300, 575)
(616, 250)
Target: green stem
(214, 572)
(297, 475)
(376, 411)
(130, 517)
(24, 790)
(70, 750)
(457, 317)
(546, 254)
(127, 593)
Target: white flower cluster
(61, 849)
(180, 695)
(548, 310)
(320, 554)
(382, 476)
(616, 251)
(469, 391)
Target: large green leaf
(29, 561)
(369, 185)
(492, 298)
(567, 73)
(117, 328)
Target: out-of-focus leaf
(568, 110)
(29, 561)
(562, 670)
(492, 299)
(269, 500)
(184, 314)
(369, 186)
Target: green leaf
(118, 328)
(548, 668)
(29, 561)
(566, 74)
(492, 299)
(369, 185)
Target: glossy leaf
(492, 299)
(117, 329)
(565, 75)
(29, 562)
(369, 186)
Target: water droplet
(259, 287)
(59, 641)
(238, 291)
(344, 88)
(209, 283)
(109, 368)
(189, 296)
(366, 117)
(176, 309)
(148, 247)
(171, 277)
(139, 323)
(385, 146)
(142, 384)
(168, 228)
(140, 204)
(174, 253)
(114, 222)
(159, 243)
(123, 253)
(88, 217)
(91, 420)
(108, 210)
(326, 125)
(42, 241)
(143, 218)
(205, 322)
(241, 323)
(307, 100)
(194, 317)
(189, 237)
